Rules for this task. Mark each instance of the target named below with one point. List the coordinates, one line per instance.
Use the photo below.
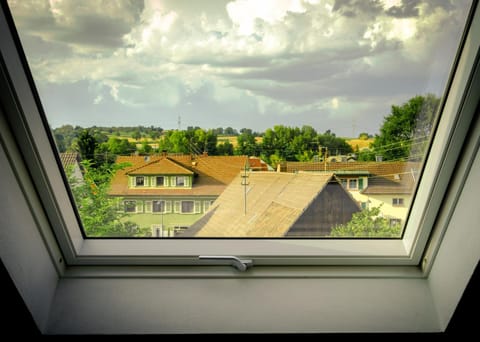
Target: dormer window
(160, 181)
(139, 181)
(352, 184)
(180, 181)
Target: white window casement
(130, 206)
(158, 206)
(352, 184)
(140, 181)
(207, 204)
(187, 207)
(414, 282)
(180, 181)
(160, 181)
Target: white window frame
(163, 183)
(144, 181)
(130, 201)
(164, 206)
(398, 202)
(182, 184)
(353, 180)
(54, 273)
(458, 111)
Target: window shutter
(168, 206)
(197, 207)
(360, 184)
(177, 207)
(148, 206)
(132, 181)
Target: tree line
(403, 135)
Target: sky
(334, 65)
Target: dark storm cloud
(74, 24)
(94, 31)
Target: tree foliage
(367, 223)
(87, 145)
(99, 213)
(406, 130)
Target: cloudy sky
(331, 64)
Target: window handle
(239, 264)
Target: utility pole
(324, 151)
(325, 159)
(244, 184)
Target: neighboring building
(170, 192)
(71, 165)
(389, 184)
(273, 204)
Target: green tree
(246, 144)
(145, 148)
(333, 144)
(99, 212)
(225, 148)
(137, 135)
(363, 136)
(405, 131)
(367, 223)
(87, 145)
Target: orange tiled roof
(162, 166)
(384, 177)
(212, 173)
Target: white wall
(22, 249)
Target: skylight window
(242, 119)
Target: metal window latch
(239, 264)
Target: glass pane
(241, 118)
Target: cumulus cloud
(276, 60)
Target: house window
(180, 181)
(160, 180)
(187, 207)
(344, 182)
(158, 206)
(352, 184)
(130, 206)
(139, 181)
(207, 204)
(397, 202)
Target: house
(170, 192)
(272, 204)
(372, 184)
